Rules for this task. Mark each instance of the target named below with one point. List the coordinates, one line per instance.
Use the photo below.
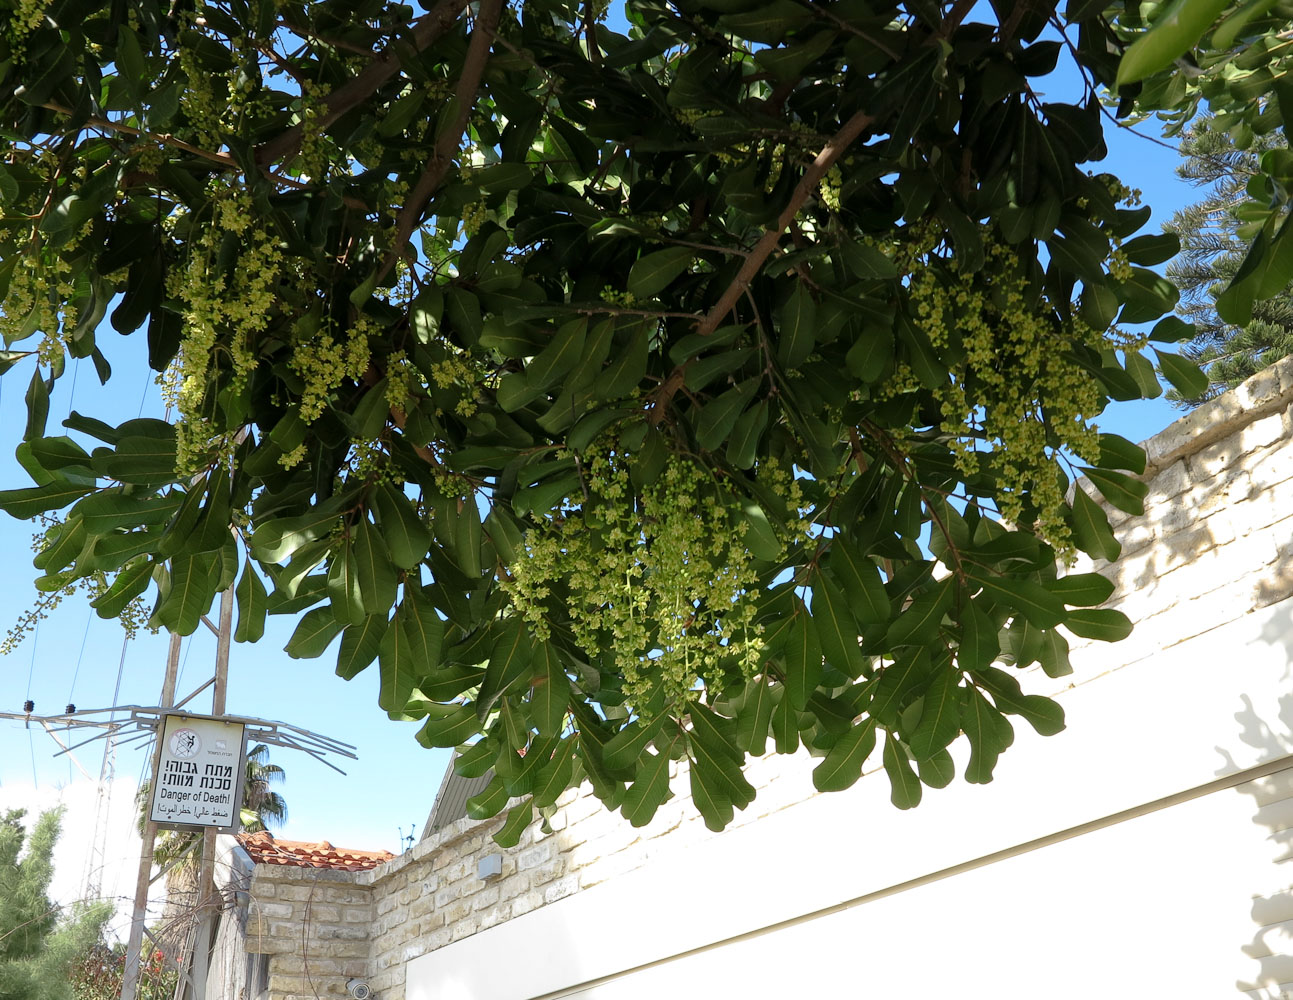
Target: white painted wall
(1168, 904)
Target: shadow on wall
(1271, 948)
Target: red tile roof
(265, 850)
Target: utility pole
(206, 880)
(130, 975)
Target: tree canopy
(692, 390)
(37, 951)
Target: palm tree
(261, 805)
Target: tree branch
(426, 31)
(831, 152)
(448, 143)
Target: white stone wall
(1206, 568)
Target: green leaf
(785, 725)
(649, 789)
(314, 633)
(760, 537)
(519, 817)
(626, 370)
(489, 802)
(709, 797)
(979, 642)
(549, 692)
(1122, 491)
(34, 500)
(1043, 714)
(905, 785)
(1104, 624)
(37, 407)
(1025, 597)
(797, 332)
(1186, 377)
(988, 732)
(938, 770)
(343, 586)
(802, 660)
(754, 719)
(842, 765)
(940, 718)
(509, 663)
(189, 593)
(653, 272)
(406, 535)
(449, 725)
(560, 355)
(399, 674)
(1116, 452)
(253, 604)
(861, 579)
(1082, 589)
(554, 777)
(360, 645)
(1173, 33)
(1054, 656)
(1091, 531)
(835, 628)
(897, 680)
(919, 622)
(742, 446)
(373, 569)
(129, 584)
(718, 417)
(424, 630)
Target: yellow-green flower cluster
(1013, 393)
(662, 578)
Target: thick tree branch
(426, 30)
(449, 141)
(831, 152)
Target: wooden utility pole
(206, 880)
(130, 976)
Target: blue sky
(74, 656)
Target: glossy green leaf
(1122, 491)
(835, 627)
(1025, 597)
(1104, 624)
(653, 272)
(904, 784)
(1091, 531)
(253, 605)
(1082, 589)
(360, 645)
(842, 765)
(940, 718)
(648, 791)
(405, 533)
(313, 634)
(510, 659)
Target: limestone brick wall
(1215, 544)
(315, 927)
(1216, 540)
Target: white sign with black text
(198, 782)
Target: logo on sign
(185, 743)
